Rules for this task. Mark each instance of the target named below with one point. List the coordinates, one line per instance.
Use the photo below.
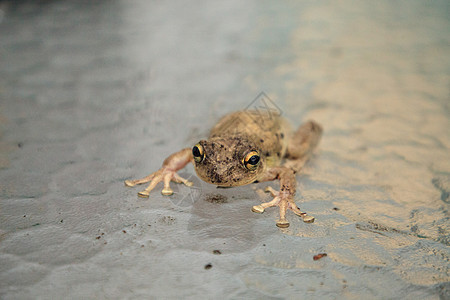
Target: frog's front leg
(167, 173)
(284, 199)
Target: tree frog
(245, 147)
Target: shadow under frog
(220, 217)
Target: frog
(245, 147)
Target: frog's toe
(283, 223)
(167, 191)
(189, 183)
(308, 219)
(270, 190)
(129, 183)
(144, 194)
(258, 209)
(177, 178)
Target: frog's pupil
(253, 160)
(196, 151)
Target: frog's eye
(198, 153)
(251, 160)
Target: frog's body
(245, 147)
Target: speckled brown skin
(235, 135)
(230, 140)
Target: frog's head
(228, 162)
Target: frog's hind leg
(302, 144)
(167, 173)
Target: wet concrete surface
(96, 92)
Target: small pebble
(319, 256)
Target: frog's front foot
(283, 203)
(164, 174)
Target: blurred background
(96, 92)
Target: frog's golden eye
(198, 153)
(251, 160)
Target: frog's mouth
(226, 178)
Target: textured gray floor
(96, 92)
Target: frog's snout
(217, 176)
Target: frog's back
(265, 128)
